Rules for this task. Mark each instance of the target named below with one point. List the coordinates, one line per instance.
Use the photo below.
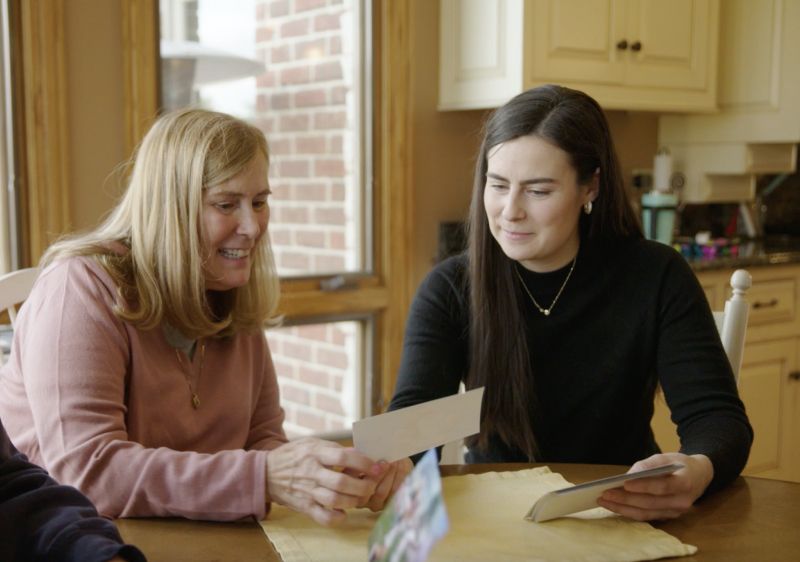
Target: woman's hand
(661, 497)
(320, 478)
(388, 482)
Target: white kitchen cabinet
(769, 380)
(627, 54)
(757, 127)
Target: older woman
(139, 370)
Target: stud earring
(587, 208)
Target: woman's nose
(512, 208)
(248, 222)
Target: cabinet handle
(636, 46)
(794, 375)
(622, 45)
(769, 304)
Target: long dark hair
(499, 357)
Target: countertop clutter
(738, 253)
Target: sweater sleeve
(41, 520)
(697, 379)
(75, 359)
(434, 358)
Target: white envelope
(415, 429)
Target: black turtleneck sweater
(631, 316)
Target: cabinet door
(576, 40)
(669, 44)
(770, 394)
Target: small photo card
(415, 518)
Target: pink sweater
(107, 408)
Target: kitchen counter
(772, 250)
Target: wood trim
(394, 199)
(140, 63)
(45, 189)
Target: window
(302, 71)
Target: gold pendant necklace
(188, 377)
(549, 309)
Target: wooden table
(753, 519)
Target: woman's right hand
(311, 476)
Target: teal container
(658, 215)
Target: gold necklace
(549, 309)
(192, 391)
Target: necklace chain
(549, 309)
(187, 376)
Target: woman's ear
(593, 189)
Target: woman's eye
(225, 207)
(498, 186)
(259, 204)
(538, 192)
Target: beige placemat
(486, 523)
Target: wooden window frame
(384, 294)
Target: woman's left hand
(387, 483)
(661, 497)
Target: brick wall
(305, 103)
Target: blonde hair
(161, 277)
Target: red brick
(309, 192)
(310, 98)
(295, 28)
(293, 260)
(266, 124)
(313, 331)
(265, 80)
(282, 368)
(280, 147)
(326, 71)
(310, 239)
(337, 382)
(330, 120)
(328, 403)
(280, 101)
(335, 45)
(338, 192)
(311, 145)
(293, 169)
(332, 358)
(279, 8)
(303, 5)
(281, 53)
(336, 240)
(295, 75)
(291, 215)
(261, 11)
(326, 22)
(313, 376)
(338, 336)
(313, 49)
(328, 264)
(311, 420)
(294, 122)
(329, 216)
(329, 168)
(336, 144)
(292, 393)
(339, 95)
(263, 34)
(280, 236)
(262, 103)
(297, 351)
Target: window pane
(320, 374)
(292, 68)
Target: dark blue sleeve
(42, 520)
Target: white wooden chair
(731, 323)
(15, 288)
